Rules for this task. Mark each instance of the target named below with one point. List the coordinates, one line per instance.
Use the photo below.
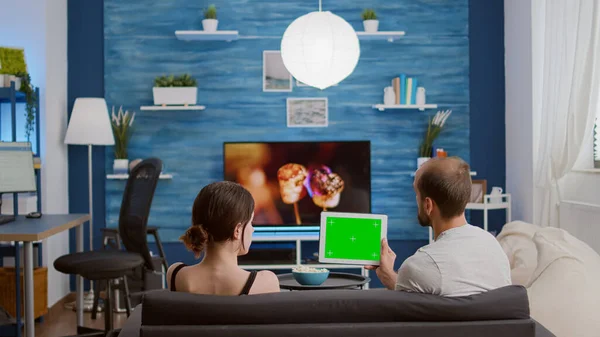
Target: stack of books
(405, 89)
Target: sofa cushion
(336, 306)
(516, 239)
(564, 292)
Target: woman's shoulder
(171, 270)
(266, 282)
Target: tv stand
(297, 238)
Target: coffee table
(334, 281)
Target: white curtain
(569, 95)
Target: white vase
(2, 80)
(421, 161)
(121, 166)
(389, 96)
(371, 26)
(175, 95)
(17, 81)
(420, 96)
(210, 25)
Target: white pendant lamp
(320, 49)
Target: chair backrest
(135, 207)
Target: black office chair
(108, 265)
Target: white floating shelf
(172, 107)
(473, 173)
(382, 107)
(126, 176)
(390, 36)
(200, 35)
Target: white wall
(41, 28)
(519, 107)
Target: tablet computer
(351, 238)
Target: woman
(221, 227)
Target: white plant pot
(2, 80)
(210, 25)
(17, 81)
(421, 161)
(371, 26)
(121, 166)
(175, 95)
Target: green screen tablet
(351, 238)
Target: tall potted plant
(370, 22)
(171, 90)
(121, 125)
(434, 127)
(210, 22)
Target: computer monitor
(16, 170)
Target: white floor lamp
(90, 125)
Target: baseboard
(59, 306)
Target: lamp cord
(319, 5)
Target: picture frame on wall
(478, 191)
(276, 77)
(307, 112)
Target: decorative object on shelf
(406, 90)
(134, 163)
(434, 127)
(121, 124)
(320, 49)
(171, 90)
(90, 125)
(12, 63)
(389, 96)
(31, 103)
(307, 112)
(478, 191)
(276, 78)
(420, 96)
(210, 22)
(370, 22)
(496, 195)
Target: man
(464, 259)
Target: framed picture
(276, 77)
(478, 190)
(302, 84)
(307, 112)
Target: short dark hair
(217, 210)
(447, 181)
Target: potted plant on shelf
(121, 126)
(173, 90)
(30, 100)
(12, 63)
(370, 21)
(434, 127)
(210, 22)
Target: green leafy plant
(210, 12)
(12, 61)
(122, 124)
(30, 103)
(171, 81)
(434, 127)
(369, 14)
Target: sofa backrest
(336, 306)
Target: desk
(30, 230)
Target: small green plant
(30, 100)
(369, 14)
(12, 61)
(184, 80)
(434, 127)
(210, 12)
(121, 125)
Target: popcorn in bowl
(306, 269)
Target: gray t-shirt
(463, 261)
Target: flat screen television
(293, 182)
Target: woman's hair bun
(195, 239)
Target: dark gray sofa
(498, 313)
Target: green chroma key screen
(353, 238)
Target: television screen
(293, 182)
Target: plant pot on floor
(371, 26)
(121, 166)
(210, 25)
(175, 95)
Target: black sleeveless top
(245, 291)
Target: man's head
(443, 187)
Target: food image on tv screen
(293, 182)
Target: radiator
(581, 220)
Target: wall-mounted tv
(293, 182)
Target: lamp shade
(320, 49)
(90, 123)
